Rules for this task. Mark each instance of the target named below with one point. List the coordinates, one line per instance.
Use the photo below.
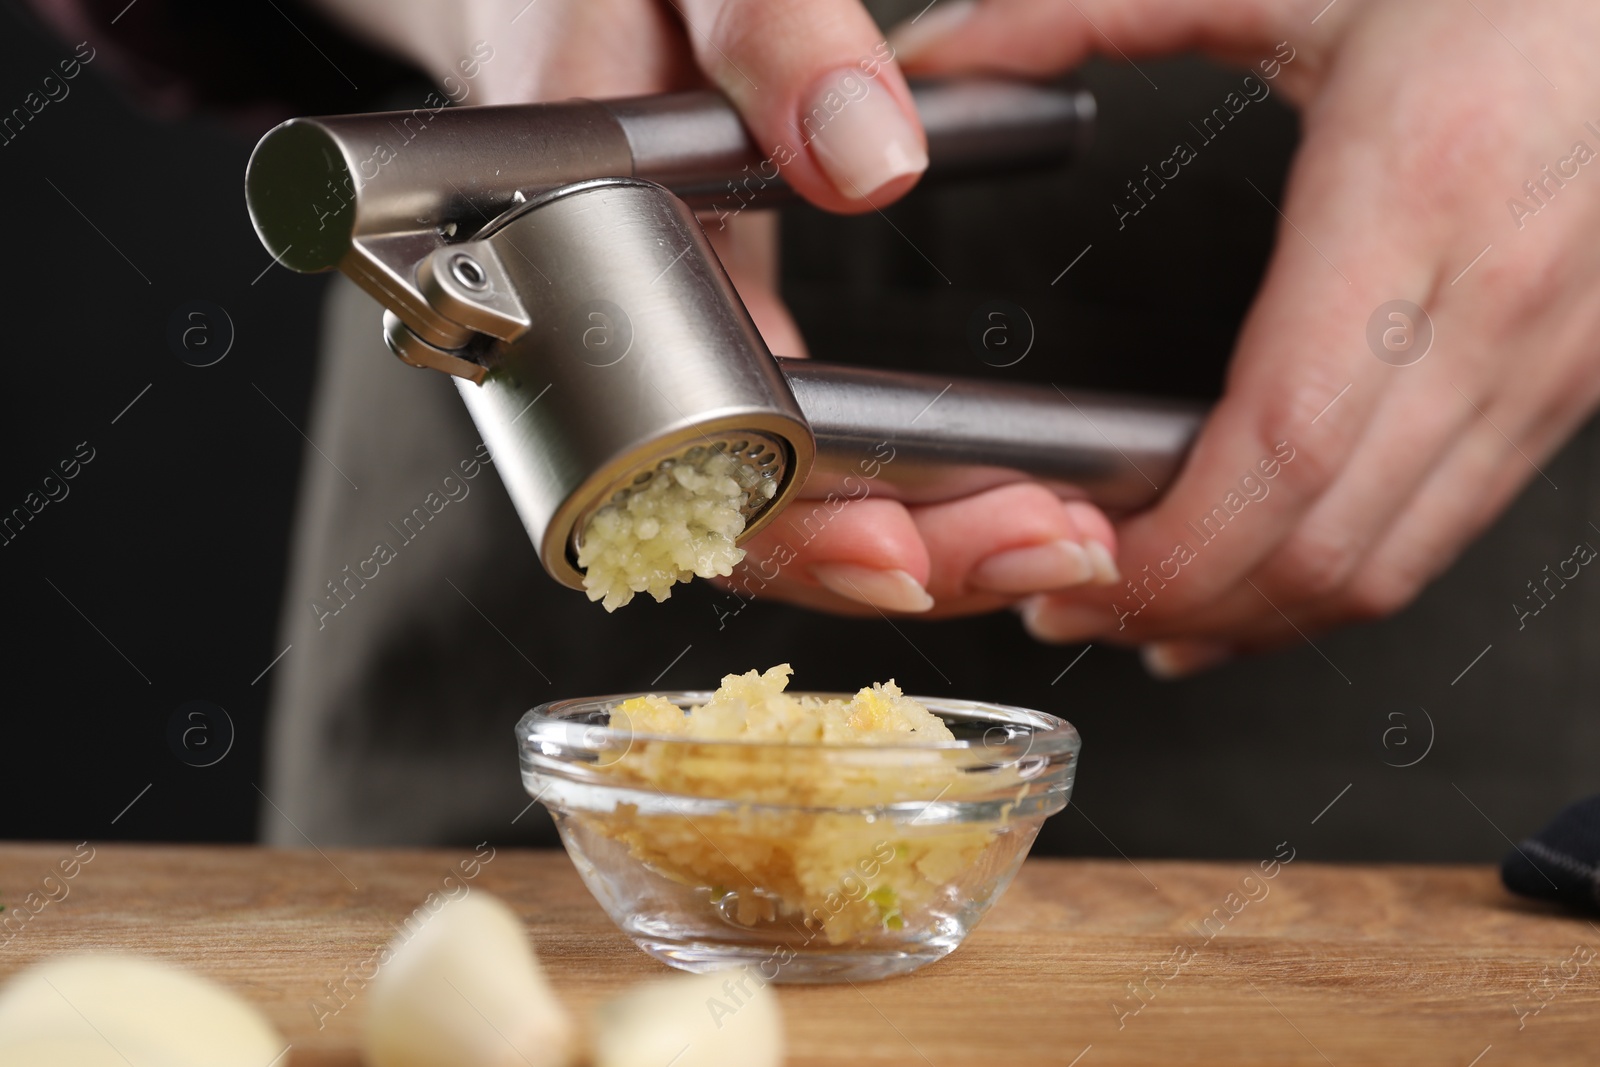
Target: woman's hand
(1424, 121)
(820, 91)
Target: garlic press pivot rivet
(469, 272)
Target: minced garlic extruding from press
(681, 523)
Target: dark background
(170, 545)
(156, 582)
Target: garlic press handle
(695, 143)
(923, 438)
(375, 195)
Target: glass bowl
(811, 862)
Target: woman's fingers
(838, 553)
(1331, 484)
(1341, 546)
(1013, 541)
(1461, 495)
(1417, 420)
(1301, 394)
(961, 557)
(541, 51)
(1045, 37)
(819, 89)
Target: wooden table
(1333, 965)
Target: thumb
(820, 90)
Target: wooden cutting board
(1324, 965)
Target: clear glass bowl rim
(1048, 735)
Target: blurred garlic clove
(67, 1052)
(465, 988)
(84, 1011)
(717, 1019)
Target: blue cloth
(1561, 862)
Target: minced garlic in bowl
(755, 707)
(683, 522)
(797, 858)
(812, 836)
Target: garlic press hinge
(467, 286)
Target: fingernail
(1105, 566)
(1047, 619)
(859, 134)
(1034, 569)
(1170, 660)
(888, 590)
(917, 35)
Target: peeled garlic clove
(65, 1052)
(718, 1019)
(71, 1012)
(465, 988)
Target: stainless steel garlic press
(549, 258)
